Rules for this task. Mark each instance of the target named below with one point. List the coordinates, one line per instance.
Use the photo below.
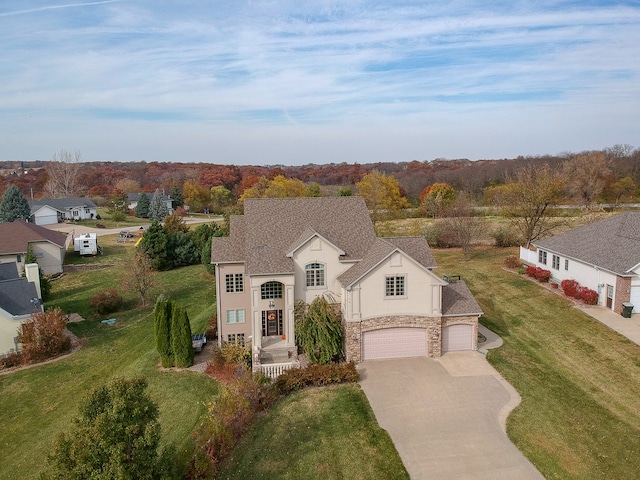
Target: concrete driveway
(446, 416)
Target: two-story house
(284, 250)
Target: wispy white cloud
(338, 67)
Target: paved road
(446, 416)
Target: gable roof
(16, 296)
(229, 249)
(611, 244)
(8, 271)
(62, 204)
(416, 248)
(457, 300)
(274, 225)
(307, 235)
(15, 236)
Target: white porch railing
(529, 256)
(273, 370)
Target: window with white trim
(315, 274)
(271, 289)
(234, 282)
(394, 286)
(237, 338)
(542, 257)
(556, 262)
(235, 316)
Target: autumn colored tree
(257, 190)
(221, 198)
(42, 336)
(461, 225)
(196, 196)
(382, 194)
(528, 198)
(282, 187)
(174, 223)
(622, 190)
(14, 206)
(585, 176)
(128, 185)
(313, 190)
(435, 199)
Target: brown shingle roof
(611, 244)
(457, 299)
(275, 224)
(231, 248)
(15, 236)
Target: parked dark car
(126, 234)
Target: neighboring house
(603, 256)
(133, 201)
(55, 210)
(49, 246)
(19, 299)
(284, 250)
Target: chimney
(32, 272)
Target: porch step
(275, 356)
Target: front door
(609, 296)
(272, 323)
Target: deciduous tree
(585, 176)
(196, 196)
(382, 194)
(63, 172)
(221, 198)
(318, 331)
(139, 276)
(528, 199)
(14, 206)
(118, 206)
(42, 336)
(435, 199)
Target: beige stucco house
(49, 246)
(284, 250)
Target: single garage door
(634, 299)
(457, 337)
(395, 343)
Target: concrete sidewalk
(629, 327)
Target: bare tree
(461, 225)
(63, 172)
(528, 199)
(140, 276)
(586, 176)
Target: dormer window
(315, 274)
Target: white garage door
(457, 337)
(635, 299)
(395, 343)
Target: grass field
(320, 433)
(579, 380)
(38, 402)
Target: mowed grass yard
(579, 380)
(39, 402)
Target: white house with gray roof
(284, 250)
(603, 256)
(50, 211)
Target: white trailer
(86, 244)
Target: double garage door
(412, 342)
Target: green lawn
(38, 402)
(579, 380)
(320, 433)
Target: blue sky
(297, 82)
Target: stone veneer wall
(622, 294)
(446, 321)
(354, 331)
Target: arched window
(315, 274)
(271, 289)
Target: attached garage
(457, 337)
(394, 343)
(634, 299)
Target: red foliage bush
(588, 296)
(316, 375)
(542, 275)
(106, 302)
(42, 336)
(530, 271)
(569, 287)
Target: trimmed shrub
(181, 344)
(103, 302)
(522, 271)
(13, 359)
(316, 375)
(530, 271)
(588, 296)
(569, 287)
(512, 262)
(162, 330)
(542, 275)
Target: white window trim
(235, 316)
(395, 297)
(324, 276)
